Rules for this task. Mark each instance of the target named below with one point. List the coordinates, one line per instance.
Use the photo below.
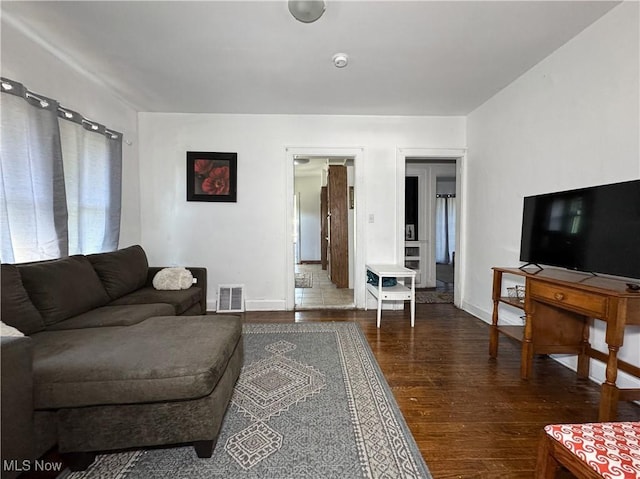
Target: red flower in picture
(217, 183)
(202, 167)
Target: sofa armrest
(17, 400)
(199, 274)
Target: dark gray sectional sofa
(108, 362)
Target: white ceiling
(406, 58)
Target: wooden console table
(558, 305)
(399, 292)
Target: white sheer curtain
(33, 211)
(445, 228)
(93, 188)
(60, 180)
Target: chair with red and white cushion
(594, 450)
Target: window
(60, 180)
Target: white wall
(247, 242)
(308, 190)
(571, 121)
(446, 186)
(26, 61)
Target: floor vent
(230, 298)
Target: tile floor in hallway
(323, 293)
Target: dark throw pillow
(122, 271)
(15, 305)
(63, 288)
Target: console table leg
(493, 342)
(609, 396)
(526, 359)
(609, 393)
(493, 334)
(583, 366)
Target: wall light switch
(371, 218)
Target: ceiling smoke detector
(340, 60)
(307, 11)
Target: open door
(338, 225)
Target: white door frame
(357, 154)
(459, 155)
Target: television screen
(594, 229)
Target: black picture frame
(212, 176)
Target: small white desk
(399, 292)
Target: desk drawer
(591, 304)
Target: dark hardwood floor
(472, 417)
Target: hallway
(322, 294)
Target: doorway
(445, 229)
(324, 246)
(430, 187)
(429, 192)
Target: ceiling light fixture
(307, 11)
(340, 60)
(300, 161)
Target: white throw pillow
(6, 330)
(173, 279)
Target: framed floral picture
(212, 176)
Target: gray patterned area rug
(433, 297)
(311, 402)
(304, 280)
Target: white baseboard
(256, 305)
(506, 317)
(477, 312)
(265, 305)
(597, 372)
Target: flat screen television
(594, 229)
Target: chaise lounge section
(109, 362)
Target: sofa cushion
(121, 271)
(166, 358)
(181, 300)
(63, 288)
(17, 310)
(114, 316)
